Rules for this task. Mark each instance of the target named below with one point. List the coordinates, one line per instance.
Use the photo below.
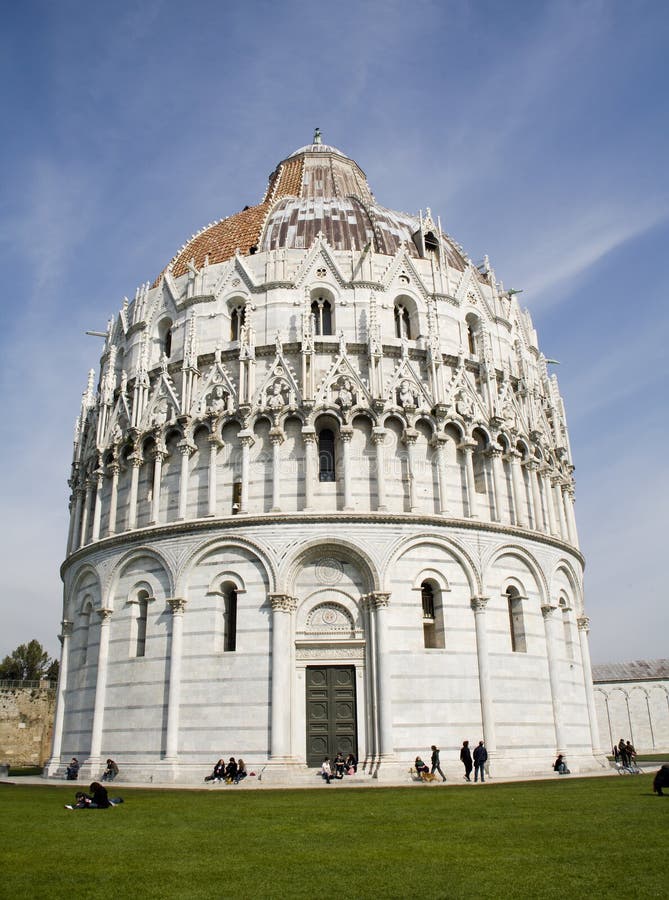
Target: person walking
(480, 758)
(436, 767)
(466, 759)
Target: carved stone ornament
(547, 610)
(66, 627)
(105, 615)
(583, 623)
(329, 570)
(329, 652)
(380, 600)
(217, 401)
(177, 605)
(283, 603)
(328, 617)
(478, 604)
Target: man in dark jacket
(661, 780)
(466, 759)
(480, 757)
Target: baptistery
(322, 500)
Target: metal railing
(44, 684)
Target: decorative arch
(403, 545)
(194, 558)
(132, 555)
(565, 567)
(525, 557)
(319, 548)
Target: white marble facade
(322, 437)
(632, 702)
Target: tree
(29, 662)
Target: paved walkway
(361, 780)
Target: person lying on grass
(97, 799)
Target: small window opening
(142, 613)
(326, 455)
(431, 242)
(230, 621)
(236, 497)
(516, 622)
(433, 617)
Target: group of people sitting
(339, 767)
(96, 799)
(72, 771)
(231, 772)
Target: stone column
(583, 623)
(410, 436)
(276, 439)
(114, 468)
(478, 605)
(283, 608)
(97, 511)
(439, 444)
(548, 497)
(372, 705)
(85, 508)
(568, 495)
(310, 468)
(57, 742)
(495, 455)
(346, 434)
(532, 466)
(520, 518)
(75, 511)
(379, 439)
(246, 440)
(383, 685)
(186, 451)
(468, 448)
(135, 463)
(212, 480)
(557, 497)
(100, 690)
(158, 457)
(550, 625)
(177, 605)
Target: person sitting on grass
(97, 799)
(661, 780)
(421, 768)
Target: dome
(316, 189)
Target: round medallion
(329, 570)
(329, 616)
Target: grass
(18, 771)
(574, 837)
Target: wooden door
(331, 712)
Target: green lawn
(576, 837)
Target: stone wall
(26, 723)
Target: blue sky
(538, 132)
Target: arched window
(85, 626)
(237, 318)
(433, 617)
(516, 623)
(402, 322)
(326, 455)
(165, 337)
(230, 619)
(566, 627)
(321, 312)
(140, 623)
(472, 324)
